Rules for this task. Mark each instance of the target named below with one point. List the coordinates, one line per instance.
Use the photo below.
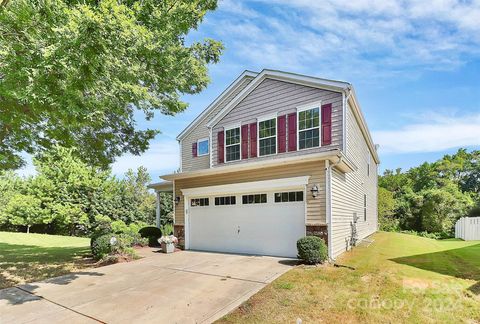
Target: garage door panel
(267, 229)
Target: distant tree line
(430, 198)
(69, 197)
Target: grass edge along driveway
(399, 278)
(33, 257)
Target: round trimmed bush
(101, 246)
(152, 233)
(312, 249)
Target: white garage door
(261, 222)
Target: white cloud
(436, 133)
(377, 37)
(161, 157)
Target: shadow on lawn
(461, 263)
(26, 263)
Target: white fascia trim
(362, 123)
(292, 160)
(344, 122)
(337, 86)
(180, 147)
(202, 140)
(254, 186)
(220, 98)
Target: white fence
(468, 228)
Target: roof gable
(332, 85)
(231, 88)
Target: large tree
(75, 72)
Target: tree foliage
(74, 73)
(69, 197)
(432, 196)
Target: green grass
(399, 278)
(32, 257)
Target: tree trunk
(28, 229)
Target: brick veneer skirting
(179, 232)
(318, 230)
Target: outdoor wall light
(177, 200)
(314, 191)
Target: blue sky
(415, 66)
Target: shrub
(312, 250)
(152, 233)
(474, 212)
(119, 226)
(435, 236)
(102, 247)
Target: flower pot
(168, 247)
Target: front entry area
(263, 222)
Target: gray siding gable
(200, 130)
(275, 96)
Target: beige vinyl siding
(316, 170)
(274, 96)
(190, 163)
(348, 190)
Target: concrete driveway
(183, 287)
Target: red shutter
(292, 132)
(327, 124)
(282, 134)
(194, 149)
(220, 146)
(244, 141)
(253, 140)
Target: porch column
(157, 218)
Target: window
(288, 196)
(222, 201)
(365, 207)
(267, 137)
(232, 144)
(199, 202)
(309, 128)
(254, 199)
(202, 145)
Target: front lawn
(32, 257)
(399, 278)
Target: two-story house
(275, 157)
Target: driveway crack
(220, 276)
(63, 306)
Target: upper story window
(267, 136)
(232, 144)
(202, 145)
(309, 127)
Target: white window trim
(225, 142)
(198, 146)
(312, 105)
(261, 119)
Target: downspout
(328, 175)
